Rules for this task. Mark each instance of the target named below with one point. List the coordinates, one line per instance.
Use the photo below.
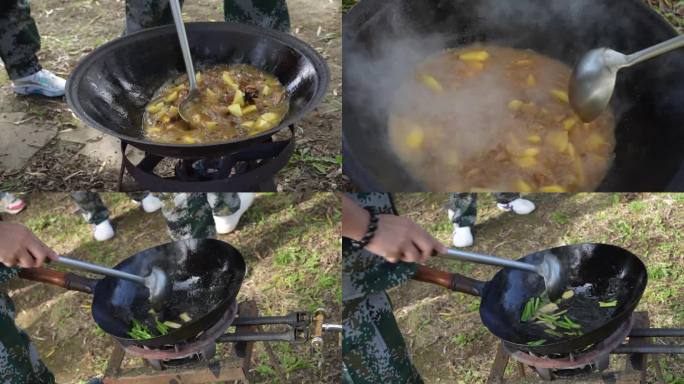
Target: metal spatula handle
(489, 260)
(656, 50)
(183, 39)
(100, 270)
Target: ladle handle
(451, 281)
(64, 280)
(656, 50)
(489, 260)
(100, 270)
(183, 39)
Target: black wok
(647, 103)
(110, 87)
(206, 276)
(614, 274)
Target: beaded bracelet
(370, 232)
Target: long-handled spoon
(593, 79)
(157, 281)
(550, 268)
(192, 100)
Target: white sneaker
(42, 82)
(151, 203)
(227, 224)
(519, 206)
(103, 231)
(462, 237)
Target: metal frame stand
(633, 372)
(233, 368)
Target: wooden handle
(451, 281)
(68, 281)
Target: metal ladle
(157, 281)
(188, 104)
(550, 268)
(593, 79)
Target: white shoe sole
(34, 90)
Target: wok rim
(292, 42)
(554, 348)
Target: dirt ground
(448, 342)
(72, 29)
(291, 247)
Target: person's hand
(400, 239)
(19, 247)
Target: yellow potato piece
(474, 56)
(525, 162)
(553, 189)
(153, 130)
(188, 140)
(249, 109)
(154, 108)
(165, 119)
(560, 95)
(196, 118)
(171, 97)
(173, 112)
(531, 81)
(594, 142)
(266, 90)
(522, 186)
(247, 124)
(569, 123)
(211, 124)
(534, 139)
(271, 117)
(432, 83)
(198, 77)
(531, 152)
(239, 98)
(229, 80)
(577, 164)
(515, 104)
(235, 110)
(415, 138)
(558, 140)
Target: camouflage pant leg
(19, 39)
(272, 14)
(223, 204)
(464, 206)
(506, 197)
(91, 206)
(373, 349)
(141, 14)
(188, 215)
(19, 361)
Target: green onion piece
(608, 304)
(536, 343)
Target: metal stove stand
(233, 368)
(636, 352)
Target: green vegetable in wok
(536, 343)
(171, 324)
(139, 331)
(530, 309)
(608, 304)
(161, 327)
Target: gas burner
(633, 339)
(203, 345)
(598, 356)
(251, 169)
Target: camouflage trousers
(272, 14)
(19, 361)
(464, 206)
(187, 215)
(19, 39)
(191, 215)
(373, 347)
(93, 209)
